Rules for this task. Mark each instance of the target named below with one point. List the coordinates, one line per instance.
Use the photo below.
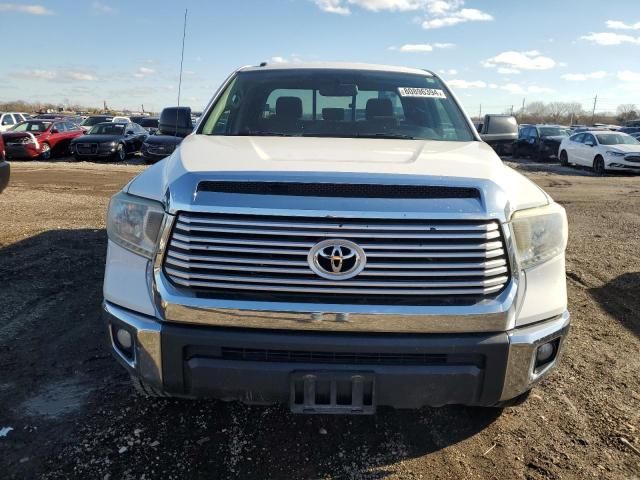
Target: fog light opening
(546, 353)
(123, 341)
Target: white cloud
(531, 60)
(102, 7)
(508, 71)
(517, 89)
(332, 6)
(629, 76)
(143, 72)
(279, 60)
(581, 77)
(438, 13)
(29, 9)
(81, 76)
(37, 74)
(513, 88)
(421, 47)
(618, 25)
(451, 71)
(464, 84)
(454, 18)
(608, 39)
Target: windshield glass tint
(552, 131)
(31, 127)
(337, 103)
(616, 139)
(107, 129)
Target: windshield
(616, 139)
(107, 129)
(31, 127)
(149, 122)
(337, 103)
(91, 121)
(552, 131)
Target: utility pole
(512, 110)
(593, 113)
(523, 104)
(480, 113)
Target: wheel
(45, 151)
(120, 154)
(564, 158)
(77, 157)
(598, 165)
(146, 390)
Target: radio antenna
(184, 34)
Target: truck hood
(341, 160)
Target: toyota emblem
(336, 259)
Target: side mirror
(590, 144)
(130, 132)
(55, 130)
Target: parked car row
(4, 167)
(96, 136)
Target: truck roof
(336, 66)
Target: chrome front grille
(265, 257)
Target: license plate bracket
(330, 392)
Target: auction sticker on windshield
(421, 92)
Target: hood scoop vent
(338, 190)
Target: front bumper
(27, 150)
(255, 366)
(5, 171)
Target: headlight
(615, 154)
(112, 144)
(134, 223)
(539, 234)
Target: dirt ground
(67, 409)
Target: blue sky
(492, 52)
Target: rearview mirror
(339, 90)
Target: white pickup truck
(336, 237)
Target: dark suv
(175, 123)
(540, 142)
(4, 167)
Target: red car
(40, 138)
(4, 168)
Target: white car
(9, 119)
(331, 228)
(121, 120)
(601, 151)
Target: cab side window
(8, 120)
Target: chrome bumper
(520, 376)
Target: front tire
(598, 166)
(45, 152)
(120, 154)
(564, 158)
(146, 390)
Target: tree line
(567, 113)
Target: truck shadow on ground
(59, 377)
(620, 299)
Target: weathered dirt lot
(75, 415)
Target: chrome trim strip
(495, 315)
(147, 358)
(523, 343)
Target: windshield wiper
(264, 134)
(383, 135)
(360, 135)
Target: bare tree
(626, 112)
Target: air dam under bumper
(410, 371)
